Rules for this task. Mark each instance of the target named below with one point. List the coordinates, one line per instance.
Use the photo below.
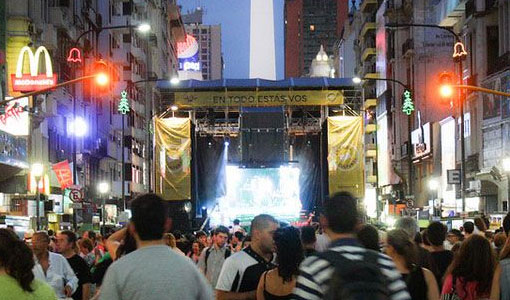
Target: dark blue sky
(234, 17)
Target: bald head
(262, 222)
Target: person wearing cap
(453, 237)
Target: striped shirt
(316, 272)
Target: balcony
(368, 6)
(370, 128)
(369, 71)
(372, 179)
(499, 64)
(368, 26)
(368, 52)
(371, 102)
(371, 151)
(408, 48)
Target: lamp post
(458, 57)
(434, 187)
(103, 188)
(37, 172)
(358, 80)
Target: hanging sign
(74, 55)
(124, 103)
(33, 81)
(408, 106)
(64, 174)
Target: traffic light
(445, 85)
(102, 73)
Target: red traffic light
(102, 73)
(446, 84)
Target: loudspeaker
(262, 136)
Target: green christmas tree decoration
(124, 103)
(408, 106)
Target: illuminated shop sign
(33, 81)
(15, 118)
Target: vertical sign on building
(380, 48)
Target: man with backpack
(212, 258)
(347, 270)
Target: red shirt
(465, 290)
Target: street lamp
(103, 188)
(144, 27)
(175, 80)
(78, 127)
(37, 171)
(356, 80)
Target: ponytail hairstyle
(17, 259)
(403, 245)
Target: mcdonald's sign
(33, 81)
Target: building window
(204, 57)
(204, 50)
(195, 31)
(204, 31)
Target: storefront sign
(15, 119)
(64, 174)
(33, 81)
(261, 98)
(421, 139)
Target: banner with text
(345, 155)
(261, 98)
(64, 174)
(172, 158)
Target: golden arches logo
(33, 81)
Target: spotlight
(227, 143)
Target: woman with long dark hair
(280, 282)
(501, 283)
(470, 274)
(16, 276)
(421, 283)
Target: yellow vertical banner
(172, 158)
(345, 155)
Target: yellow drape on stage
(345, 155)
(172, 158)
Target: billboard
(380, 46)
(187, 52)
(15, 119)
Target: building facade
(208, 38)
(310, 24)
(133, 58)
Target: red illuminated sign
(74, 55)
(33, 81)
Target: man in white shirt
(52, 268)
(153, 271)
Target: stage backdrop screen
(253, 191)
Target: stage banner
(172, 158)
(345, 155)
(260, 98)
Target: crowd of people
(335, 258)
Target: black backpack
(356, 279)
(208, 252)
